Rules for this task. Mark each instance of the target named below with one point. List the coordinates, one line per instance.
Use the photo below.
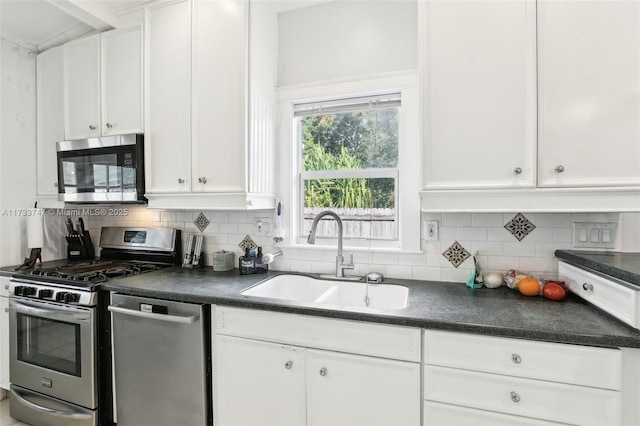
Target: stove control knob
(18, 290)
(45, 293)
(71, 297)
(31, 291)
(61, 295)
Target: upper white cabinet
(531, 106)
(210, 105)
(49, 118)
(589, 97)
(82, 88)
(121, 64)
(479, 93)
(103, 84)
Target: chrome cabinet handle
(202, 180)
(109, 126)
(515, 397)
(6, 286)
(517, 359)
(288, 365)
(517, 170)
(559, 169)
(323, 371)
(92, 127)
(6, 309)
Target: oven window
(49, 344)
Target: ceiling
(38, 25)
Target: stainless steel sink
(301, 288)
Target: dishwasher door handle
(161, 317)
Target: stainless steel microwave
(102, 170)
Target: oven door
(53, 350)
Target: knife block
(80, 246)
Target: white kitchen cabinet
(50, 118)
(168, 112)
(589, 102)
(259, 383)
(4, 333)
(274, 368)
(82, 88)
(103, 84)
(210, 123)
(513, 377)
(479, 94)
(121, 78)
(347, 389)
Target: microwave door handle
(161, 317)
(50, 312)
(65, 414)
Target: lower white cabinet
(511, 381)
(4, 333)
(275, 383)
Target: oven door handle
(66, 414)
(161, 317)
(50, 311)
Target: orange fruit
(529, 286)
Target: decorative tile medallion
(520, 226)
(456, 254)
(202, 222)
(248, 243)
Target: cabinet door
(82, 88)
(479, 93)
(258, 383)
(50, 120)
(346, 389)
(4, 342)
(122, 81)
(168, 101)
(219, 96)
(589, 102)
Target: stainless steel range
(60, 343)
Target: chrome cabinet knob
(202, 180)
(92, 127)
(288, 365)
(6, 287)
(55, 184)
(515, 397)
(180, 180)
(559, 169)
(517, 170)
(6, 309)
(587, 287)
(516, 358)
(109, 126)
(323, 371)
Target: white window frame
(409, 159)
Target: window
(348, 163)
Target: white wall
(17, 148)
(344, 39)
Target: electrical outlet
(431, 230)
(263, 226)
(594, 235)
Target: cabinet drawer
(573, 364)
(523, 397)
(381, 340)
(438, 414)
(614, 297)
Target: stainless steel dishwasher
(162, 362)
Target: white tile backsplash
(481, 233)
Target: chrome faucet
(341, 265)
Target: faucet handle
(349, 263)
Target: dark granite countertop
(434, 305)
(623, 266)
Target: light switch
(606, 235)
(582, 235)
(595, 235)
